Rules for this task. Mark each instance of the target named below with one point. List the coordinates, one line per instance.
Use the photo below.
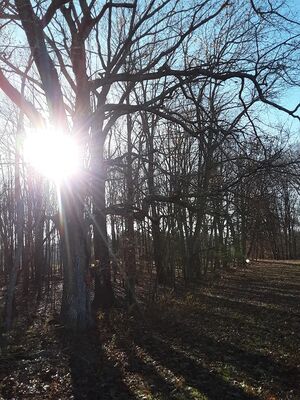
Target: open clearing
(237, 338)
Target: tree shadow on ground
(217, 330)
(257, 367)
(165, 372)
(155, 380)
(169, 373)
(93, 376)
(243, 305)
(264, 294)
(206, 347)
(195, 375)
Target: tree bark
(75, 311)
(104, 296)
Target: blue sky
(291, 97)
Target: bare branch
(16, 97)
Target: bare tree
(81, 52)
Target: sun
(52, 153)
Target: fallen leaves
(235, 339)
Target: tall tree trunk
(17, 259)
(155, 229)
(75, 311)
(114, 248)
(104, 295)
(130, 258)
(38, 241)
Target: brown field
(237, 338)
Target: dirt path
(235, 339)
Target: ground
(234, 338)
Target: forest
(149, 199)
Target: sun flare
(52, 153)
